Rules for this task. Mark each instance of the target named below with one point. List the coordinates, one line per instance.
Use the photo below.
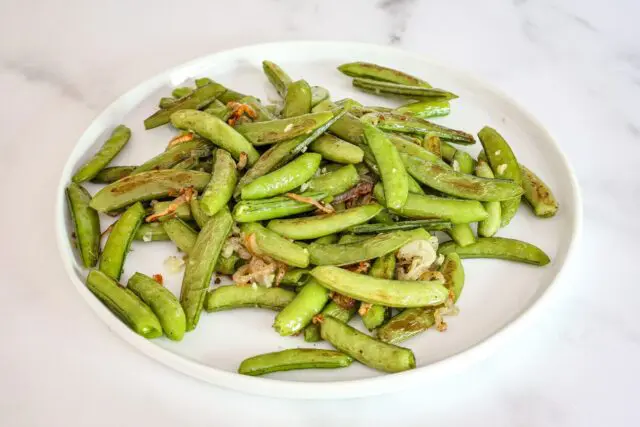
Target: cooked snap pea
(346, 239)
(181, 234)
(489, 226)
(424, 207)
(327, 240)
(203, 81)
(151, 232)
(295, 276)
(390, 293)
(448, 151)
(288, 177)
(262, 114)
(462, 234)
(233, 296)
(414, 186)
(463, 162)
(348, 127)
(200, 265)
(415, 92)
(174, 155)
(275, 207)
(427, 224)
(109, 150)
(216, 131)
(200, 98)
(162, 302)
(336, 182)
(537, 194)
(276, 75)
(312, 331)
(198, 214)
(297, 100)
(321, 225)
(220, 110)
(336, 150)
(166, 102)
(416, 126)
(365, 349)
(432, 144)
(318, 94)
(277, 247)
(124, 304)
(231, 96)
(382, 268)
(223, 181)
(187, 164)
(504, 165)
(379, 72)
(86, 224)
(414, 150)
(299, 312)
(181, 92)
(408, 323)
(425, 109)
(453, 273)
(227, 265)
(182, 211)
(119, 241)
(499, 247)
(270, 132)
(295, 358)
(112, 174)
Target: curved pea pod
(425, 109)
(85, 223)
(374, 247)
(396, 89)
(299, 312)
(312, 331)
(198, 214)
(181, 234)
(273, 245)
(182, 211)
(336, 182)
(322, 225)
(379, 72)
(538, 194)
(146, 186)
(295, 277)
(124, 304)
(365, 349)
(297, 100)
(216, 131)
(173, 156)
(275, 207)
(499, 247)
(339, 151)
(119, 241)
(425, 207)
(489, 226)
(232, 297)
(202, 261)
(427, 224)
(504, 165)
(285, 179)
(277, 76)
(453, 273)
(295, 358)
(263, 133)
(151, 232)
(109, 150)
(112, 174)
(318, 94)
(416, 126)
(162, 302)
(414, 150)
(390, 293)
(223, 181)
(408, 323)
(199, 98)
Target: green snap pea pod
(297, 100)
(414, 150)
(299, 312)
(112, 174)
(231, 96)
(181, 92)
(162, 302)
(392, 171)
(124, 304)
(86, 224)
(489, 226)
(427, 224)
(453, 273)
(382, 268)
(346, 239)
(285, 179)
(379, 72)
(181, 234)
(203, 81)
(414, 187)
(151, 232)
(537, 194)
(270, 132)
(216, 131)
(295, 276)
(462, 234)
(223, 181)
(276, 75)
(318, 94)
(408, 323)
(463, 162)
(321, 225)
(232, 296)
(458, 184)
(312, 331)
(187, 164)
(146, 186)
(295, 358)
(262, 113)
(275, 246)
(383, 217)
(182, 211)
(166, 102)
(200, 98)
(202, 261)
(339, 151)
(336, 182)
(348, 127)
(174, 155)
(504, 165)
(374, 247)
(499, 247)
(227, 265)
(432, 143)
(327, 240)
(220, 110)
(199, 215)
(275, 207)
(425, 109)
(109, 150)
(119, 241)
(365, 349)
(415, 92)
(424, 207)
(393, 122)
(447, 151)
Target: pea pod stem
(232, 297)
(295, 358)
(499, 247)
(109, 150)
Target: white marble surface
(574, 64)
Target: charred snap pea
(379, 72)
(336, 182)
(151, 232)
(415, 92)
(270, 132)
(86, 224)
(162, 302)
(425, 109)
(124, 304)
(489, 226)
(501, 248)
(109, 150)
(299, 312)
(343, 314)
(427, 224)
(297, 100)
(277, 76)
(407, 324)
(537, 194)
(295, 358)
(119, 241)
(390, 293)
(453, 273)
(173, 156)
(275, 207)
(393, 122)
(336, 150)
(223, 181)
(232, 296)
(112, 174)
(271, 244)
(181, 234)
(432, 143)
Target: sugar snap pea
(201, 263)
(447, 151)
(379, 72)
(489, 226)
(220, 110)
(432, 144)
(154, 231)
(181, 92)
(393, 122)
(182, 211)
(124, 304)
(233, 296)
(462, 234)
(463, 162)
(112, 174)
(198, 214)
(318, 94)
(414, 186)
(174, 155)
(408, 323)
(231, 95)
(414, 92)
(181, 234)
(275, 207)
(187, 164)
(425, 109)
(346, 239)
(537, 194)
(199, 98)
(312, 331)
(166, 102)
(203, 81)
(297, 100)
(271, 244)
(336, 182)
(295, 358)
(109, 150)
(334, 149)
(262, 114)
(227, 265)
(427, 224)
(453, 273)
(223, 181)
(499, 247)
(382, 268)
(348, 127)
(414, 150)
(295, 277)
(86, 224)
(277, 76)
(270, 132)
(119, 241)
(162, 302)
(299, 312)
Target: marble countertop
(574, 64)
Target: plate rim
(301, 389)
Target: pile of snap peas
(319, 209)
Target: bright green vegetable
(339, 151)
(415, 92)
(182, 211)
(166, 102)
(276, 75)
(262, 114)
(295, 358)
(336, 182)
(427, 224)
(273, 245)
(462, 234)
(297, 100)
(109, 150)
(119, 241)
(463, 162)
(232, 296)
(407, 324)
(181, 92)
(312, 331)
(203, 81)
(489, 226)
(181, 234)
(379, 72)
(413, 185)
(227, 265)
(415, 151)
(167, 159)
(318, 94)
(86, 224)
(295, 276)
(453, 273)
(499, 247)
(382, 268)
(275, 207)
(299, 312)
(432, 143)
(198, 214)
(425, 109)
(112, 174)
(537, 194)
(223, 181)
(393, 122)
(448, 151)
(263, 133)
(151, 232)
(200, 98)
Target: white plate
(496, 293)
